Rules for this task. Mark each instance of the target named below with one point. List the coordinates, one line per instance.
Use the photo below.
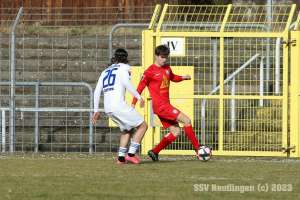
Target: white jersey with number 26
(114, 81)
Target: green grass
(84, 176)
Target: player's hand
(142, 103)
(133, 105)
(186, 77)
(95, 117)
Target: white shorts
(126, 119)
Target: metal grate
(239, 18)
(64, 17)
(254, 128)
(271, 18)
(188, 18)
(263, 76)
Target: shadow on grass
(167, 161)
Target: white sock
(133, 147)
(122, 151)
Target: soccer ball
(204, 153)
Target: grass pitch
(84, 176)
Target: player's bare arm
(142, 103)
(95, 117)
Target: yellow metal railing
(187, 18)
(154, 17)
(275, 18)
(246, 116)
(233, 18)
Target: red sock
(191, 135)
(168, 139)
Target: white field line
(154, 176)
(146, 158)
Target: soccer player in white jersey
(114, 81)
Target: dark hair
(162, 50)
(120, 57)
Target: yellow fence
(238, 57)
(295, 90)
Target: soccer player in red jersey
(157, 78)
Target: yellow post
(285, 86)
(221, 101)
(148, 47)
(294, 107)
(289, 21)
(162, 17)
(226, 17)
(285, 82)
(154, 17)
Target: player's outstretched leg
(168, 139)
(188, 129)
(191, 135)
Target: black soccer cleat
(153, 155)
(209, 146)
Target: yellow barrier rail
(154, 17)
